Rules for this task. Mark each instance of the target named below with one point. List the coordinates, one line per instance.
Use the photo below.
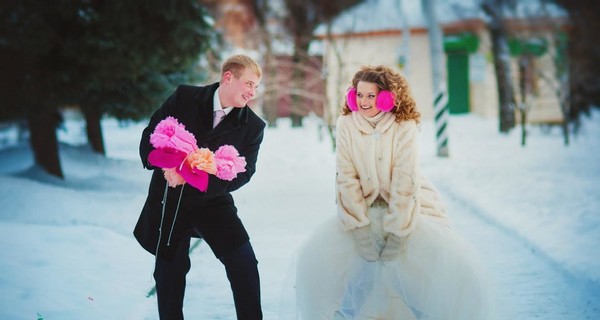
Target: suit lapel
(203, 101)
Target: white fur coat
(382, 161)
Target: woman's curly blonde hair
(385, 78)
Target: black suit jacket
(212, 213)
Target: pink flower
(173, 177)
(170, 134)
(202, 159)
(229, 163)
(183, 162)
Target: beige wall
(482, 79)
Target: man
(171, 216)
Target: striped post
(440, 93)
(440, 107)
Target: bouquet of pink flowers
(182, 161)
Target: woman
(391, 253)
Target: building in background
(375, 32)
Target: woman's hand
(364, 242)
(394, 245)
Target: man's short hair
(238, 63)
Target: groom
(217, 115)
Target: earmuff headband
(385, 100)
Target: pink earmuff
(385, 100)
(351, 99)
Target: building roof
(381, 15)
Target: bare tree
(281, 87)
(506, 115)
(525, 89)
(559, 84)
(303, 18)
(583, 56)
(536, 25)
(336, 47)
(263, 12)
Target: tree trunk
(296, 101)
(506, 112)
(524, 65)
(270, 101)
(563, 97)
(583, 53)
(270, 107)
(333, 113)
(506, 99)
(94, 130)
(44, 143)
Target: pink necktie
(219, 114)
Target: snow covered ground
(68, 252)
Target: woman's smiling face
(366, 98)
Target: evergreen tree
(35, 77)
(119, 58)
(134, 53)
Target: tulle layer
(436, 276)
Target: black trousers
(242, 272)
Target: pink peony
(229, 163)
(202, 159)
(173, 178)
(170, 134)
(183, 162)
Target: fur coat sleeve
(352, 206)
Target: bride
(391, 252)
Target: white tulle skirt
(437, 276)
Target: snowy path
(531, 286)
(86, 233)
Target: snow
(68, 251)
